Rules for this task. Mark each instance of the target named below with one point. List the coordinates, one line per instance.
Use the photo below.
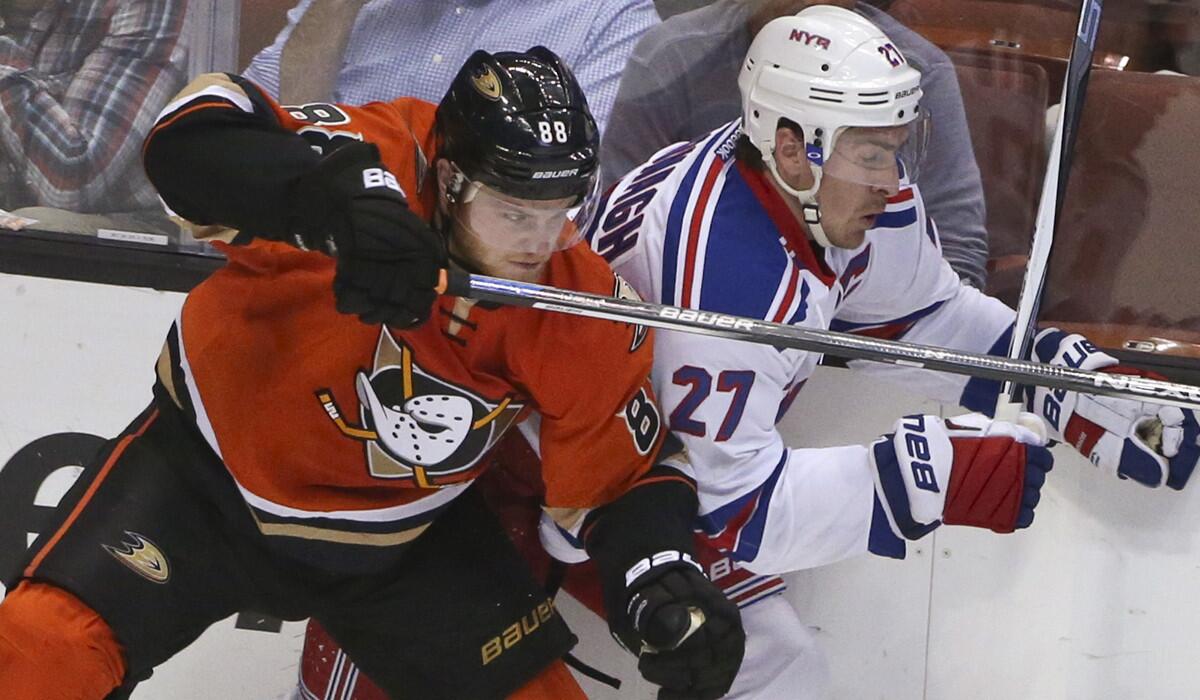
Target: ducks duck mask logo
(418, 426)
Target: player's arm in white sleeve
(780, 509)
(911, 293)
(1150, 444)
(776, 509)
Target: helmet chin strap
(809, 208)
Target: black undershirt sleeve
(216, 164)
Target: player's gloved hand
(388, 259)
(687, 635)
(1151, 444)
(966, 470)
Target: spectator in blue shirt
(356, 51)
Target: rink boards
(1097, 600)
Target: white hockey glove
(1151, 444)
(968, 470)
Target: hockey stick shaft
(843, 345)
(1054, 188)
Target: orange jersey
(341, 431)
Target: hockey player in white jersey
(807, 211)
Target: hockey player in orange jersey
(320, 413)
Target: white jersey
(693, 227)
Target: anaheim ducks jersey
(697, 228)
(339, 431)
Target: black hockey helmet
(519, 123)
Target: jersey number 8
(643, 420)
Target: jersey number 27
(737, 382)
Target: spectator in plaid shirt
(81, 82)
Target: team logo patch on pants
(143, 556)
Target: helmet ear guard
(454, 188)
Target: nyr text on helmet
(809, 39)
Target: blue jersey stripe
(715, 522)
(744, 264)
(896, 219)
(675, 220)
(750, 538)
(850, 326)
(980, 394)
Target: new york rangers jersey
(695, 227)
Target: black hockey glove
(388, 259)
(686, 633)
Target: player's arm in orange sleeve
(224, 154)
(616, 481)
(220, 156)
(611, 451)
(601, 435)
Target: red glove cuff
(986, 484)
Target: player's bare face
(857, 181)
(848, 209)
(508, 237)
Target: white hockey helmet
(829, 69)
